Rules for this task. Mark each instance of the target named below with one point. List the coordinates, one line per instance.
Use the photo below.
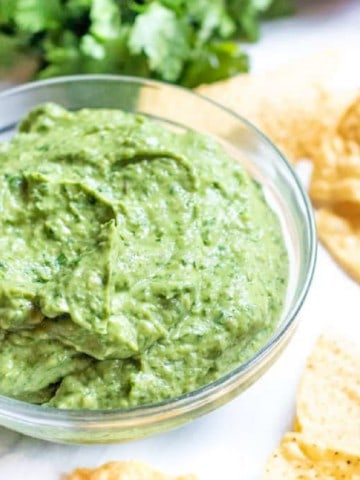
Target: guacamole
(137, 263)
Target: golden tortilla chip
(299, 458)
(122, 471)
(294, 105)
(349, 125)
(336, 175)
(340, 234)
(328, 401)
(335, 189)
(326, 444)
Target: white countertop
(233, 442)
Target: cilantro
(61, 259)
(214, 62)
(38, 15)
(14, 181)
(246, 14)
(105, 19)
(212, 19)
(180, 41)
(279, 8)
(10, 48)
(163, 38)
(7, 10)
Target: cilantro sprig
(182, 41)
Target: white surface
(233, 442)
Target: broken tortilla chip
(336, 175)
(349, 125)
(335, 190)
(294, 105)
(340, 234)
(328, 400)
(326, 443)
(299, 458)
(122, 471)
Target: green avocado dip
(136, 263)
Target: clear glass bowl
(181, 109)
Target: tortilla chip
(298, 457)
(122, 471)
(326, 444)
(328, 401)
(336, 175)
(294, 105)
(335, 189)
(340, 234)
(349, 125)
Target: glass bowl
(180, 109)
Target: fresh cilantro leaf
(37, 15)
(92, 47)
(61, 55)
(207, 18)
(247, 13)
(279, 8)
(177, 6)
(10, 48)
(77, 17)
(212, 18)
(76, 8)
(105, 19)
(163, 38)
(69, 56)
(7, 10)
(216, 62)
(183, 41)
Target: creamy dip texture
(136, 263)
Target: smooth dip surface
(136, 263)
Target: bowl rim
(42, 415)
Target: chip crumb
(130, 470)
